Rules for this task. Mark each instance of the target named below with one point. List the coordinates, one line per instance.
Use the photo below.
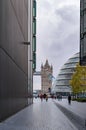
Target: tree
(78, 81)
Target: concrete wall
(13, 56)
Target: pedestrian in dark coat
(69, 99)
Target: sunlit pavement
(41, 115)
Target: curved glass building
(61, 84)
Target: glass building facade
(34, 36)
(61, 84)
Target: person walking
(41, 97)
(69, 99)
(46, 98)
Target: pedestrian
(41, 97)
(69, 99)
(46, 98)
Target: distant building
(82, 32)
(61, 84)
(17, 52)
(46, 77)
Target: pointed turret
(46, 63)
(42, 65)
(51, 67)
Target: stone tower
(46, 77)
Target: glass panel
(81, 13)
(84, 4)
(73, 60)
(34, 3)
(34, 61)
(34, 66)
(34, 43)
(68, 76)
(63, 82)
(81, 48)
(84, 23)
(81, 5)
(34, 8)
(34, 26)
(70, 70)
(84, 46)
(34, 56)
(70, 65)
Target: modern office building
(61, 84)
(17, 38)
(82, 32)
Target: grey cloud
(46, 5)
(60, 45)
(59, 41)
(58, 32)
(68, 13)
(60, 49)
(64, 30)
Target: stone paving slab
(76, 112)
(39, 116)
(75, 119)
(76, 107)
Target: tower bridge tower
(46, 77)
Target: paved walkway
(76, 112)
(76, 107)
(39, 116)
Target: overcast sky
(57, 33)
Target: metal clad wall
(13, 56)
(83, 32)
